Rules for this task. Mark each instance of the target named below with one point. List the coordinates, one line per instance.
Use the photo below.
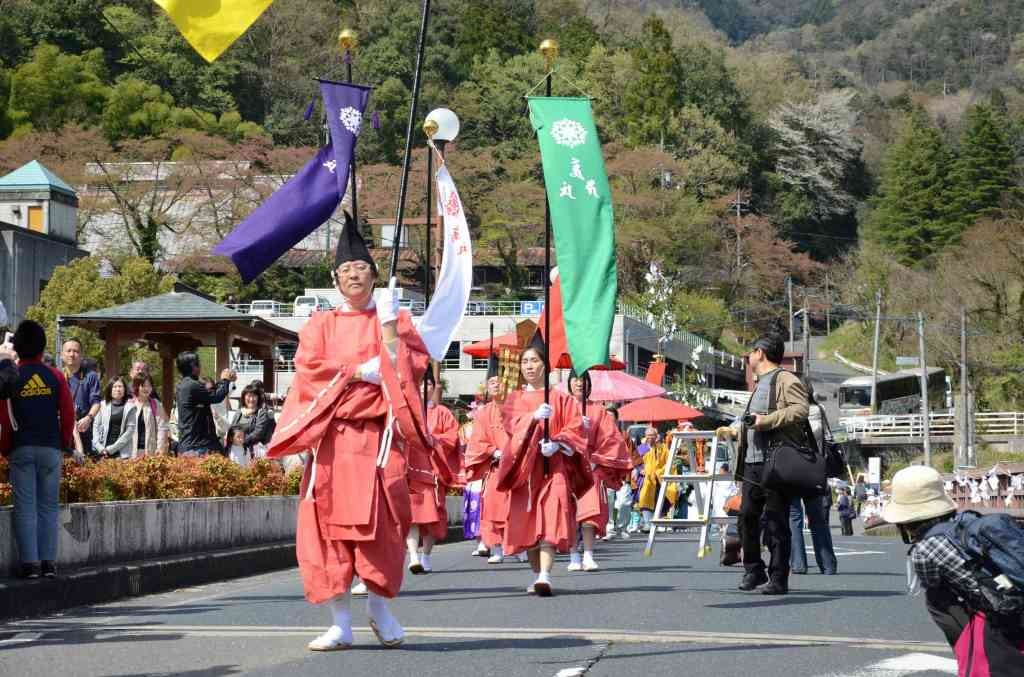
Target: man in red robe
(431, 473)
(353, 398)
(606, 451)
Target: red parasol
(480, 349)
(658, 409)
(617, 386)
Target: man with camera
(197, 433)
(771, 418)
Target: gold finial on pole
(549, 50)
(348, 39)
(430, 127)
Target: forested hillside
(875, 142)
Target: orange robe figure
(359, 514)
(541, 507)
(609, 458)
(488, 435)
(430, 474)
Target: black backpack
(993, 547)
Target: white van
(264, 308)
(304, 306)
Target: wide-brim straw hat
(917, 495)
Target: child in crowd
(237, 451)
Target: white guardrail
(256, 366)
(994, 423)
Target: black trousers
(774, 506)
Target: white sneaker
(624, 535)
(359, 589)
(425, 563)
(589, 564)
(335, 639)
(575, 562)
(523, 557)
(495, 559)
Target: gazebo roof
(181, 305)
(34, 175)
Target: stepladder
(710, 483)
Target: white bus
(897, 393)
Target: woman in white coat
(113, 429)
(150, 436)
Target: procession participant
(431, 471)
(655, 455)
(606, 451)
(472, 493)
(355, 388)
(482, 456)
(541, 474)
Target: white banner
(451, 293)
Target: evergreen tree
(653, 94)
(982, 171)
(908, 215)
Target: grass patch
(854, 341)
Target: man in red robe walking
(354, 396)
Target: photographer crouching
(776, 414)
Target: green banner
(581, 218)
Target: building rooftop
(34, 176)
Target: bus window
(854, 397)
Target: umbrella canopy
(617, 386)
(658, 409)
(480, 350)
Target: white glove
(566, 450)
(369, 371)
(543, 412)
(586, 423)
(549, 449)
(496, 454)
(387, 305)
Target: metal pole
(828, 308)
(426, 242)
(403, 186)
(874, 353)
(789, 297)
(926, 423)
(807, 344)
(966, 457)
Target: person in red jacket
(606, 451)
(43, 415)
(431, 472)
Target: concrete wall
(119, 531)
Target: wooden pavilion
(183, 319)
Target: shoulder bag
(794, 467)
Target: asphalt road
(671, 614)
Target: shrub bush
(165, 477)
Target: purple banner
(344, 105)
(294, 211)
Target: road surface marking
(595, 635)
(903, 666)
(21, 638)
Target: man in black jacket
(197, 435)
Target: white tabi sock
(544, 577)
(575, 558)
(377, 609)
(412, 544)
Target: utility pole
(874, 353)
(807, 344)
(828, 308)
(965, 458)
(925, 414)
(789, 297)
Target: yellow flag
(211, 26)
